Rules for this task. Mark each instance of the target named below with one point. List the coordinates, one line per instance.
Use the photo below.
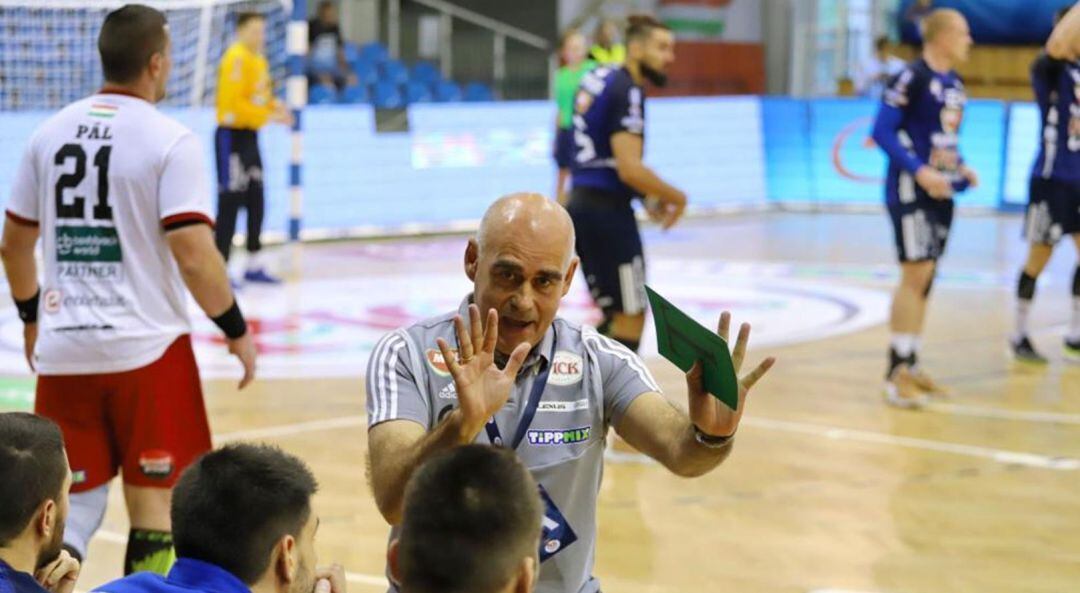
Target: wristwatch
(710, 441)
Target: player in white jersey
(118, 192)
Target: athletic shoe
(260, 277)
(1072, 350)
(901, 390)
(1024, 351)
(924, 383)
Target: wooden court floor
(827, 489)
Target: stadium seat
(321, 94)
(351, 51)
(478, 92)
(357, 93)
(373, 52)
(387, 96)
(447, 92)
(425, 72)
(366, 72)
(394, 71)
(418, 92)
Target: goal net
(49, 57)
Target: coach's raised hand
(708, 413)
(482, 387)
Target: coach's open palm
(707, 412)
(482, 387)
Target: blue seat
(353, 94)
(366, 72)
(388, 96)
(320, 94)
(394, 71)
(418, 92)
(351, 51)
(477, 92)
(425, 72)
(447, 92)
(373, 52)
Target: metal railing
(448, 13)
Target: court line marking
(352, 577)
(1004, 414)
(292, 429)
(1004, 456)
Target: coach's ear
(472, 259)
(392, 562)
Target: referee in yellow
(245, 103)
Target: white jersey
(104, 178)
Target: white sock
(1023, 309)
(904, 344)
(1074, 324)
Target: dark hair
(471, 514)
(639, 26)
(32, 469)
(130, 36)
(881, 43)
(232, 506)
(249, 15)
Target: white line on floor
(291, 429)
(1003, 414)
(998, 455)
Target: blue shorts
(921, 224)
(609, 245)
(1053, 210)
(564, 148)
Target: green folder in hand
(684, 341)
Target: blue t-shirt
(14, 581)
(919, 123)
(1057, 91)
(607, 102)
(186, 576)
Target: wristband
(710, 441)
(28, 309)
(231, 322)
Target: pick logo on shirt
(566, 368)
(437, 363)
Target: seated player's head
(135, 49)
(521, 264)
(251, 30)
(471, 524)
(327, 13)
(946, 32)
(34, 484)
(247, 509)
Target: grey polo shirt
(592, 381)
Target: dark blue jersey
(186, 576)
(13, 581)
(1057, 91)
(607, 102)
(919, 122)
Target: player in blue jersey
(1054, 198)
(918, 127)
(608, 174)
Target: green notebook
(684, 341)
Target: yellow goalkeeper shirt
(244, 100)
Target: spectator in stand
(327, 65)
